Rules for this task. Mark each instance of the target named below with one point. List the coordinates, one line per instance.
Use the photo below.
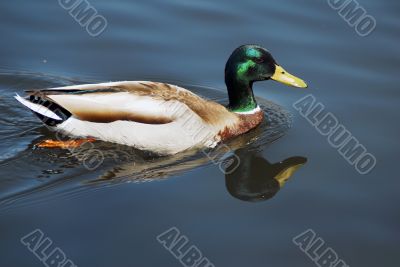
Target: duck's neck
(241, 97)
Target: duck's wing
(138, 101)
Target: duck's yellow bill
(284, 77)
(284, 175)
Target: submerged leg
(64, 144)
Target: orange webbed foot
(48, 143)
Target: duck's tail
(47, 110)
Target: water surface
(111, 216)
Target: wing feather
(138, 101)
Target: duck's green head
(249, 64)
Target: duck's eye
(283, 72)
(258, 60)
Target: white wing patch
(115, 103)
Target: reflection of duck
(159, 117)
(250, 177)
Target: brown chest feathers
(245, 124)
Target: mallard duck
(159, 117)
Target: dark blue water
(111, 216)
